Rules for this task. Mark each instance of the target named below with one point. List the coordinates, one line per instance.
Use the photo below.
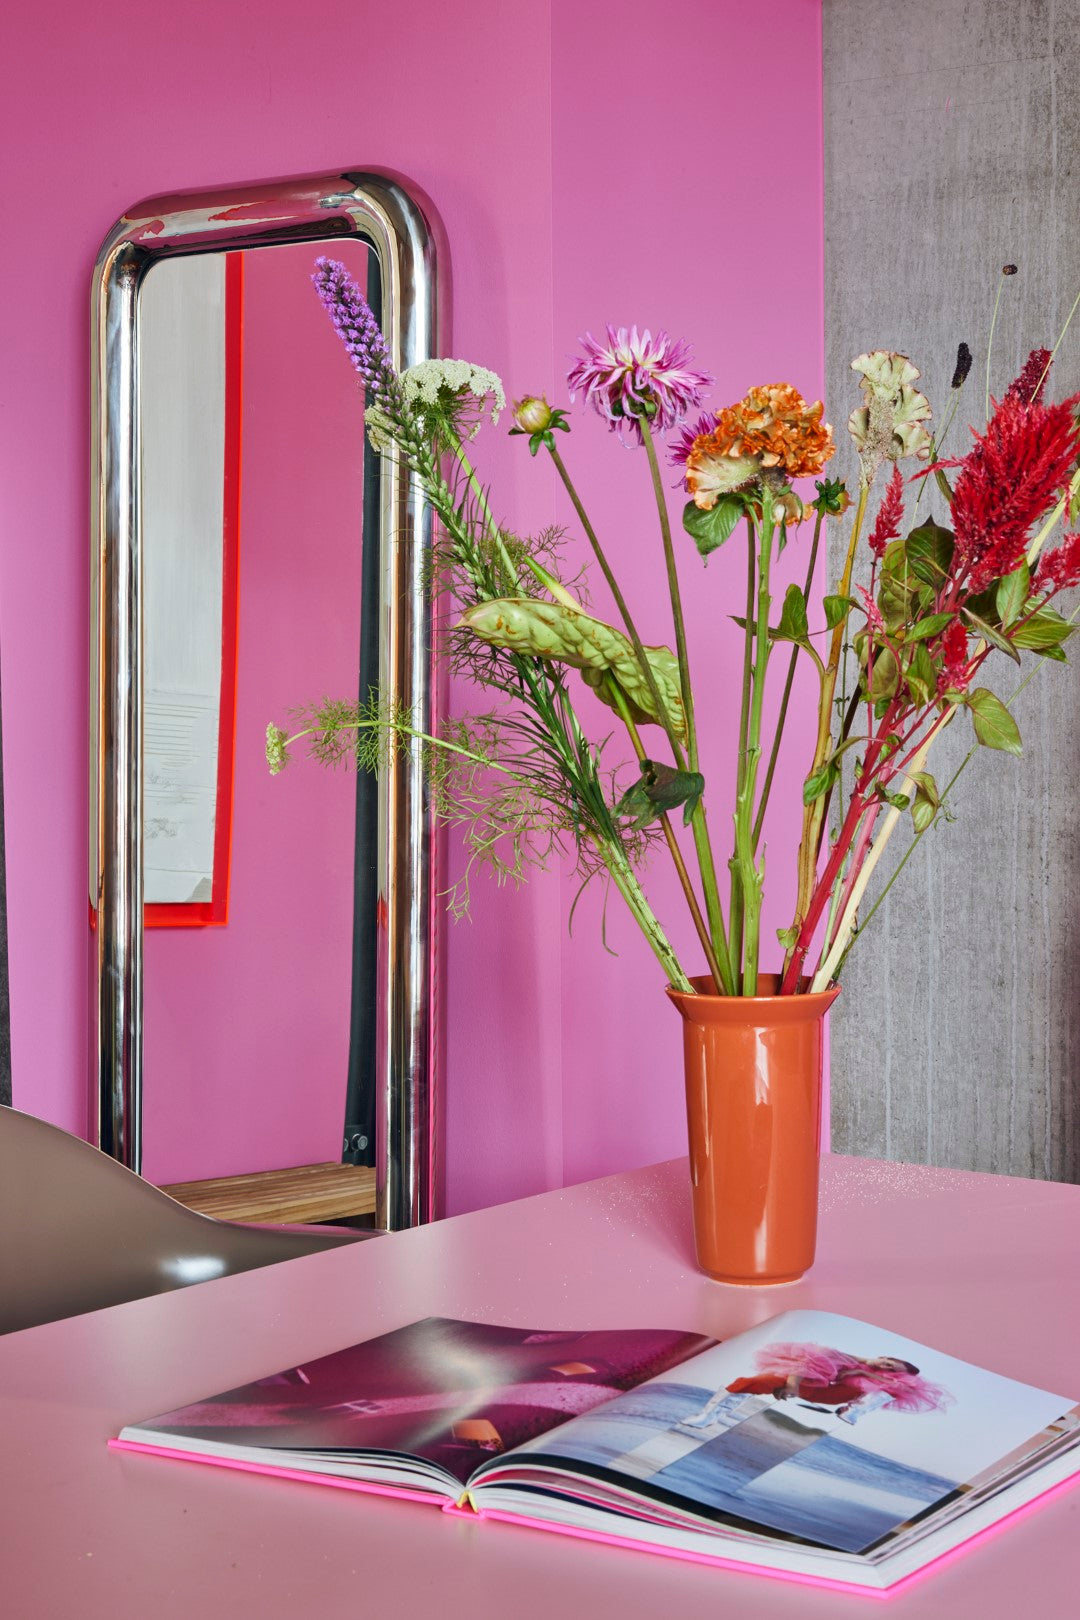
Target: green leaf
(921, 676)
(788, 937)
(988, 633)
(885, 677)
(932, 625)
(1012, 593)
(793, 624)
(922, 814)
(899, 801)
(837, 609)
(926, 801)
(1045, 629)
(660, 788)
(821, 780)
(926, 784)
(710, 529)
(929, 552)
(994, 725)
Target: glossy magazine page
(821, 1432)
(422, 1405)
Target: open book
(812, 1445)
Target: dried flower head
(771, 430)
(634, 378)
(963, 366)
(1029, 386)
(890, 426)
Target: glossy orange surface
(753, 1106)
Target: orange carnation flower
(773, 428)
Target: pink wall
(522, 124)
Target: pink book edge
(303, 1474)
(746, 1568)
(716, 1560)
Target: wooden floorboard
(305, 1193)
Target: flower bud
(532, 415)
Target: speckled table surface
(982, 1267)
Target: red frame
(215, 911)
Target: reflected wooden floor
(306, 1193)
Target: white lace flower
(378, 430)
(456, 386)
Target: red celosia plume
(1059, 570)
(890, 515)
(954, 644)
(1011, 478)
(1028, 387)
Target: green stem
(624, 611)
(618, 698)
(699, 824)
(788, 684)
(754, 873)
(699, 821)
(990, 340)
(624, 879)
(407, 731)
(737, 902)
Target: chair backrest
(78, 1231)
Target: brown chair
(78, 1231)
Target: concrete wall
(952, 146)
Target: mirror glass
(252, 480)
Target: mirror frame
(404, 234)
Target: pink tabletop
(982, 1267)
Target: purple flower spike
(635, 378)
(355, 324)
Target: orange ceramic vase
(753, 1105)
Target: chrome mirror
(391, 1013)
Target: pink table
(983, 1267)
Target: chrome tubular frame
(405, 236)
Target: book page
(451, 1393)
(812, 1425)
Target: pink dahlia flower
(681, 445)
(635, 378)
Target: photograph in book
(452, 1393)
(815, 1426)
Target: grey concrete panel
(952, 147)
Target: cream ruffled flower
(891, 425)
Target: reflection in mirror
(246, 548)
(252, 469)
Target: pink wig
(818, 1364)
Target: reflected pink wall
(621, 162)
(246, 1027)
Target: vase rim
(810, 1002)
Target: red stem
(822, 890)
(858, 855)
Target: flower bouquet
(898, 649)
